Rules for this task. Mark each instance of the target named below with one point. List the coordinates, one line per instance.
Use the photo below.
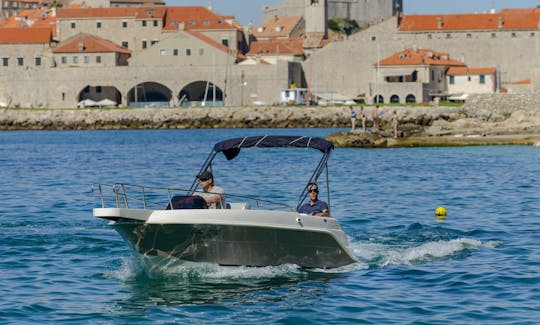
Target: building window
(175, 52)
(469, 35)
(5, 62)
(156, 23)
(144, 44)
(452, 80)
(143, 23)
(225, 42)
(482, 79)
(86, 59)
(513, 34)
(63, 60)
(206, 22)
(20, 61)
(98, 89)
(493, 35)
(125, 44)
(429, 36)
(124, 23)
(154, 42)
(201, 51)
(188, 52)
(532, 34)
(98, 24)
(75, 59)
(432, 75)
(37, 61)
(469, 78)
(162, 52)
(191, 23)
(98, 59)
(448, 35)
(73, 25)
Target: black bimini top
(231, 148)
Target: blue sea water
(480, 265)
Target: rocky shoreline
(483, 120)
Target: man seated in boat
(314, 207)
(212, 194)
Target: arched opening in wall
(93, 96)
(149, 94)
(200, 93)
(394, 99)
(410, 98)
(378, 99)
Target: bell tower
(316, 15)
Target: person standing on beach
(375, 117)
(364, 122)
(353, 118)
(395, 123)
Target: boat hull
(250, 238)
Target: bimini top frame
(231, 148)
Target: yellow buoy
(440, 212)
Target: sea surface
(479, 265)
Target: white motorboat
(182, 227)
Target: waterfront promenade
(484, 119)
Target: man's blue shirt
(318, 207)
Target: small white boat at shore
(243, 234)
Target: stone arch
(149, 94)
(201, 93)
(379, 99)
(410, 98)
(98, 93)
(394, 99)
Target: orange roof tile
(279, 26)
(470, 71)
(508, 19)
(277, 46)
(521, 82)
(25, 35)
(420, 57)
(89, 44)
(194, 18)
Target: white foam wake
(384, 255)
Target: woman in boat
(314, 207)
(212, 194)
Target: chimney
(439, 22)
(500, 22)
(80, 46)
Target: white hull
(233, 237)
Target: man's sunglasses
(313, 191)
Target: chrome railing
(122, 195)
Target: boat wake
(417, 244)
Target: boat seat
(187, 202)
(238, 206)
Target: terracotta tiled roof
(194, 18)
(521, 82)
(214, 43)
(279, 26)
(114, 12)
(36, 18)
(277, 46)
(25, 35)
(508, 19)
(470, 71)
(86, 43)
(420, 57)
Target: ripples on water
(481, 265)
